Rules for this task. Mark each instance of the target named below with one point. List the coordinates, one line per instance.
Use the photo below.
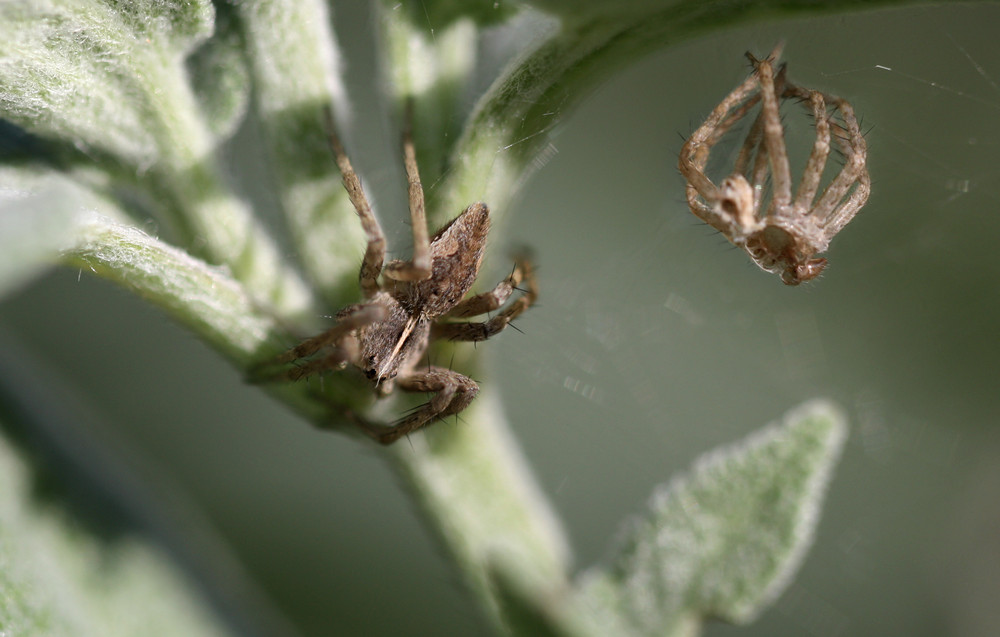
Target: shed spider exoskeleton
(386, 335)
(785, 236)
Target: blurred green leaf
(34, 227)
(57, 579)
(47, 219)
(92, 72)
(106, 86)
(724, 540)
(219, 75)
(432, 16)
(293, 58)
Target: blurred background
(654, 342)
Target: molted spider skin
(754, 207)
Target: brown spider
(784, 237)
(387, 334)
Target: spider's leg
(452, 393)
(371, 266)
(772, 57)
(418, 268)
(842, 215)
(360, 316)
(495, 298)
(703, 195)
(342, 353)
(758, 178)
(486, 329)
(724, 223)
(820, 151)
(750, 146)
(694, 153)
(828, 210)
(774, 138)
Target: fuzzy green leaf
(89, 72)
(220, 77)
(724, 540)
(58, 580)
(293, 60)
(435, 69)
(106, 85)
(33, 228)
(46, 219)
(435, 15)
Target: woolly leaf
(724, 540)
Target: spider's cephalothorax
(386, 335)
(781, 234)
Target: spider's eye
(370, 374)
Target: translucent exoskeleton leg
(774, 136)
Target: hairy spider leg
(694, 154)
(755, 146)
(774, 138)
(419, 267)
(344, 346)
(453, 392)
(492, 300)
(854, 170)
(371, 265)
(480, 331)
(820, 151)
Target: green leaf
(202, 297)
(433, 16)
(435, 68)
(220, 77)
(90, 72)
(724, 540)
(47, 219)
(107, 87)
(293, 60)
(34, 227)
(60, 580)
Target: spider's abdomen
(456, 254)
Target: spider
(784, 237)
(386, 335)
